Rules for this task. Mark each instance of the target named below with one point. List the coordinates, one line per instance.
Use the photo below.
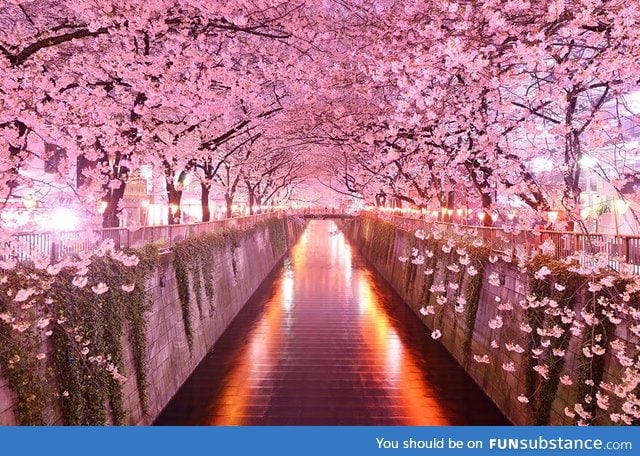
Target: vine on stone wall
(201, 251)
(18, 357)
(379, 239)
(87, 339)
(77, 317)
(472, 292)
(277, 235)
(581, 301)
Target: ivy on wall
(70, 336)
(568, 306)
(377, 239)
(545, 390)
(67, 337)
(201, 251)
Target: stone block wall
(170, 361)
(383, 249)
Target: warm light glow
(449, 212)
(173, 208)
(64, 219)
(481, 215)
(620, 206)
(541, 164)
(585, 213)
(494, 216)
(155, 214)
(29, 202)
(102, 207)
(552, 216)
(459, 212)
(588, 162)
(511, 215)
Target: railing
(59, 244)
(557, 244)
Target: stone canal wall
(194, 292)
(473, 331)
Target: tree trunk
(174, 197)
(204, 201)
(486, 208)
(229, 200)
(252, 201)
(112, 211)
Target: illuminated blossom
(514, 347)
(428, 310)
(436, 334)
(418, 260)
(594, 287)
(24, 294)
(542, 273)
(496, 323)
(484, 359)
(100, 288)
(8, 264)
(80, 281)
(607, 281)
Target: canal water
(325, 341)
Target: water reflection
(326, 343)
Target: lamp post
(587, 163)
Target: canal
(325, 341)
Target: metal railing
(557, 244)
(59, 244)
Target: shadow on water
(325, 341)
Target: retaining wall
(383, 245)
(240, 270)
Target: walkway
(328, 343)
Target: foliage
(195, 264)
(76, 321)
(570, 310)
(539, 318)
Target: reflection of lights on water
(287, 284)
(287, 292)
(386, 337)
(394, 352)
(340, 252)
(364, 298)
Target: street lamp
(28, 201)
